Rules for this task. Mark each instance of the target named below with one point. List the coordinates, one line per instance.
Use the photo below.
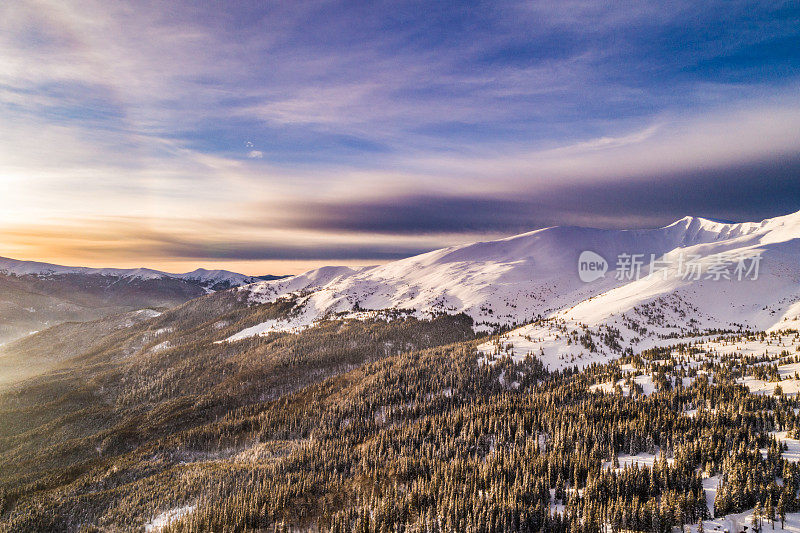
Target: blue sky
(274, 137)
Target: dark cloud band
(739, 193)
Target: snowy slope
(206, 278)
(654, 310)
(534, 275)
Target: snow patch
(163, 519)
(710, 486)
(734, 523)
(270, 326)
(792, 454)
(642, 460)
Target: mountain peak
(694, 221)
(685, 221)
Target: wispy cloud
(334, 120)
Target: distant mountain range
(34, 296)
(209, 279)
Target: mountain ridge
(35, 296)
(35, 268)
(533, 275)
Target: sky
(275, 137)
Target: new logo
(591, 266)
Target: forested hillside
(397, 425)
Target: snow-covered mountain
(35, 296)
(210, 279)
(533, 277)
